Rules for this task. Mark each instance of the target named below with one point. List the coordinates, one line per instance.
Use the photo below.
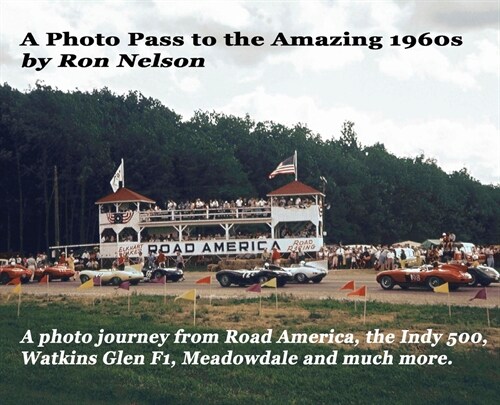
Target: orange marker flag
(361, 292)
(205, 280)
(45, 280)
(348, 286)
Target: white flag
(119, 176)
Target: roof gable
(295, 188)
(124, 195)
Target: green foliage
(374, 196)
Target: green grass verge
(473, 378)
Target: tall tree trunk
(66, 224)
(46, 200)
(73, 212)
(8, 230)
(21, 210)
(57, 237)
(82, 211)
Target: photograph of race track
(247, 202)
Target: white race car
(308, 271)
(113, 276)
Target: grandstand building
(290, 219)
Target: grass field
(472, 378)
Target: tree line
(80, 137)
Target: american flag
(285, 167)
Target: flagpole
(123, 174)
(276, 292)
(210, 291)
(194, 308)
(364, 311)
(488, 316)
(449, 305)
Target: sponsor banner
(211, 247)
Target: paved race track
(328, 288)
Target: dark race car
(425, 276)
(154, 273)
(483, 275)
(249, 277)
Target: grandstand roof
(294, 188)
(124, 195)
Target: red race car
(425, 276)
(56, 272)
(12, 271)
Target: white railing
(215, 214)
